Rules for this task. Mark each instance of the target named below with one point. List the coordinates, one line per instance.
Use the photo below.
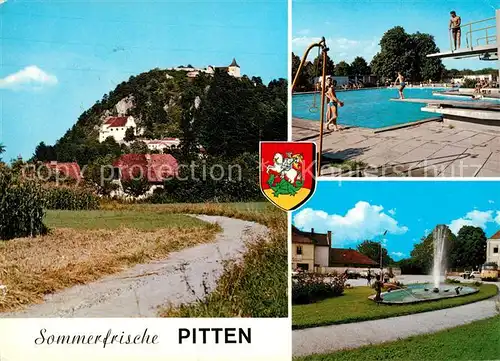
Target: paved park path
(333, 338)
(138, 291)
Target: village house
(156, 168)
(312, 251)
(492, 249)
(116, 127)
(309, 249)
(162, 144)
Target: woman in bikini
(333, 103)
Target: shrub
(21, 207)
(239, 183)
(64, 198)
(136, 187)
(469, 83)
(312, 287)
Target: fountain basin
(424, 293)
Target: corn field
(70, 199)
(21, 207)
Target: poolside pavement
(428, 149)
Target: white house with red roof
(116, 127)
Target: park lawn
(479, 340)
(354, 306)
(83, 246)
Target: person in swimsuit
(401, 80)
(455, 23)
(333, 102)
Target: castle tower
(234, 69)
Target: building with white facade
(191, 72)
(116, 127)
(162, 144)
(493, 249)
(490, 78)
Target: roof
(156, 167)
(114, 122)
(302, 237)
(234, 63)
(349, 256)
(496, 235)
(71, 170)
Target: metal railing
(487, 31)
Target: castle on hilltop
(232, 69)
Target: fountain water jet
(439, 236)
(426, 292)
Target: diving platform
(481, 50)
(474, 115)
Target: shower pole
(321, 44)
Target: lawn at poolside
(354, 306)
(479, 340)
(83, 246)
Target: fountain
(429, 292)
(439, 236)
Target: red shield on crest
(288, 172)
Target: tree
(129, 134)
(318, 66)
(407, 53)
(371, 249)
(139, 147)
(360, 67)
(99, 174)
(2, 150)
(342, 69)
(470, 249)
(136, 187)
(44, 153)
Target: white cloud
(491, 202)
(341, 48)
(31, 76)
(364, 221)
(2, 1)
(397, 254)
(303, 32)
(392, 212)
(474, 218)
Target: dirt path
(333, 338)
(138, 291)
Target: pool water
(369, 108)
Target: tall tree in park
(470, 249)
(342, 69)
(360, 67)
(407, 53)
(371, 249)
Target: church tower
(234, 69)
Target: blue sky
(354, 28)
(355, 211)
(59, 57)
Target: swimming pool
(370, 108)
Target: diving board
(467, 52)
(453, 103)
